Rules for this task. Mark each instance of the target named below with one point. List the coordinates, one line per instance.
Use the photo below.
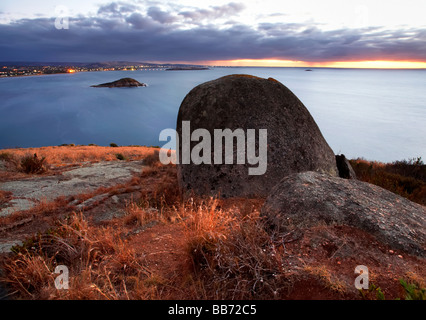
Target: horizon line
(272, 63)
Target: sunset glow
(380, 64)
(376, 64)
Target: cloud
(161, 16)
(117, 8)
(155, 33)
(140, 22)
(215, 12)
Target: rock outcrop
(304, 200)
(29, 192)
(294, 141)
(345, 169)
(122, 83)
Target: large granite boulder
(304, 200)
(294, 141)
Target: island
(122, 83)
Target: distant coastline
(25, 69)
(28, 71)
(187, 68)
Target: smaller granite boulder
(308, 199)
(344, 167)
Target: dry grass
(233, 256)
(27, 163)
(230, 252)
(164, 191)
(406, 178)
(137, 215)
(44, 209)
(4, 196)
(413, 277)
(323, 275)
(152, 159)
(159, 201)
(101, 265)
(32, 164)
(65, 155)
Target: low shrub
(152, 159)
(406, 178)
(113, 145)
(5, 156)
(10, 162)
(120, 156)
(33, 164)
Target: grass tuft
(152, 159)
(232, 255)
(32, 164)
(101, 265)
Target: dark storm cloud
(140, 22)
(126, 32)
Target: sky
(332, 33)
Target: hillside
(137, 239)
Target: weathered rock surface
(6, 246)
(124, 82)
(80, 180)
(309, 199)
(295, 143)
(345, 169)
(17, 205)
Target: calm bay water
(375, 114)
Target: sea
(368, 113)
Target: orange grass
(232, 254)
(63, 155)
(101, 265)
(406, 178)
